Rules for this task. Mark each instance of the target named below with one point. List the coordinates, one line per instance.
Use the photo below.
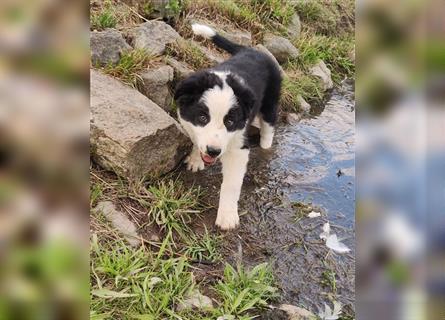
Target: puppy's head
(213, 109)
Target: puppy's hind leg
(269, 110)
(234, 165)
(267, 131)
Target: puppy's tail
(218, 40)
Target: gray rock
(304, 106)
(155, 85)
(195, 300)
(153, 36)
(292, 118)
(294, 27)
(129, 133)
(321, 70)
(107, 46)
(120, 222)
(238, 36)
(297, 313)
(274, 314)
(181, 69)
(212, 55)
(280, 47)
(226, 317)
(262, 48)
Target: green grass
(106, 17)
(215, 9)
(172, 205)
(243, 290)
(329, 280)
(256, 15)
(309, 87)
(174, 6)
(280, 11)
(95, 193)
(204, 248)
(328, 17)
(186, 51)
(129, 283)
(146, 8)
(134, 283)
(334, 51)
(317, 16)
(118, 14)
(129, 65)
(167, 203)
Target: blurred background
(400, 160)
(44, 159)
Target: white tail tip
(203, 31)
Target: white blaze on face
(218, 101)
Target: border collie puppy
(217, 105)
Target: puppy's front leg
(234, 164)
(194, 161)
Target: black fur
(226, 44)
(261, 76)
(255, 80)
(188, 93)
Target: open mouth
(208, 160)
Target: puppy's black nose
(213, 152)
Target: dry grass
(298, 83)
(131, 63)
(117, 14)
(254, 15)
(327, 17)
(186, 51)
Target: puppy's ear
(245, 96)
(189, 90)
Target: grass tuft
(254, 15)
(334, 51)
(218, 10)
(96, 193)
(243, 290)
(172, 205)
(204, 248)
(309, 87)
(129, 65)
(327, 17)
(329, 280)
(186, 51)
(132, 283)
(104, 18)
(280, 11)
(136, 283)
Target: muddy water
(311, 163)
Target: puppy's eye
(202, 118)
(229, 122)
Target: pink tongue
(208, 159)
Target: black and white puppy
(217, 105)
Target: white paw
(194, 162)
(227, 219)
(266, 141)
